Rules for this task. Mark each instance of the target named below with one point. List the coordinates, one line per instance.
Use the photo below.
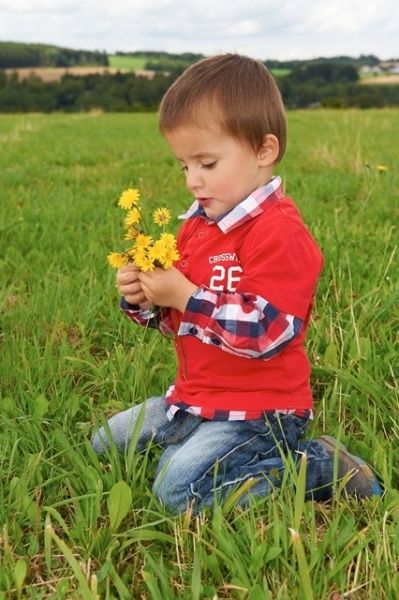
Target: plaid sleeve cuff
(155, 318)
(243, 324)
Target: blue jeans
(204, 460)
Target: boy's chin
(215, 215)
(211, 215)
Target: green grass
(117, 61)
(280, 72)
(69, 358)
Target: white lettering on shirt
(223, 257)
(225, 278)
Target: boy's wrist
(184, 296)
(142, 306)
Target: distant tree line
(168, 65)
(333, 85)
(14, 55)
(310, 84)
(164, 61)
(119, 92)
(364, 59)
(18, 54)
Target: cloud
(39, 6)
(262, 28)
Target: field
(48, 74)
(73, 527)
(132, 63)
(381, 80)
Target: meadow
(118, 61)
(73, 526)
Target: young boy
(237, 302)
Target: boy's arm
(243, 324)
(271, 303)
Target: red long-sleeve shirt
(240, 341)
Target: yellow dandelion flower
(138, 254)
(117, 260)
(162, 216)
(144, 251)
(381, 168)
(174, 254)
(164, 263)
(169, 257)
(148, 265)
(129, 198)
(143, 241)
(167, 264)
(144, 262)
(132, 217)
(168, 239)
(157, 251)
(132, 233)
(130, 253)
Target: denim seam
(223, 458)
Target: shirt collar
(247, 209)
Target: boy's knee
(118, 430)
(99, 441)
(102, 440)
(163, 490)
(172, 490)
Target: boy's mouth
(204, 201)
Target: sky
(274, 29)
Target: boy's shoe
(361, 480)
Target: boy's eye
(208, 165)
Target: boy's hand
(128, 283)
(167, 288)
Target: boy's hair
(237, 91)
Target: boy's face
(221, 171)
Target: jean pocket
(180, 427)
(287, 428)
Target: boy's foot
(361, 480)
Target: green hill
(14, 55)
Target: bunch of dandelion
(146, 251)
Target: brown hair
(238, 91)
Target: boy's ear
(269, 150)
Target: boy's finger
(130, 288)
(130, 268)
(148, 276)
(128, 277)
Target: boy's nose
(193, 181)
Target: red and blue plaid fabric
(242, 324)
(229, 415)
